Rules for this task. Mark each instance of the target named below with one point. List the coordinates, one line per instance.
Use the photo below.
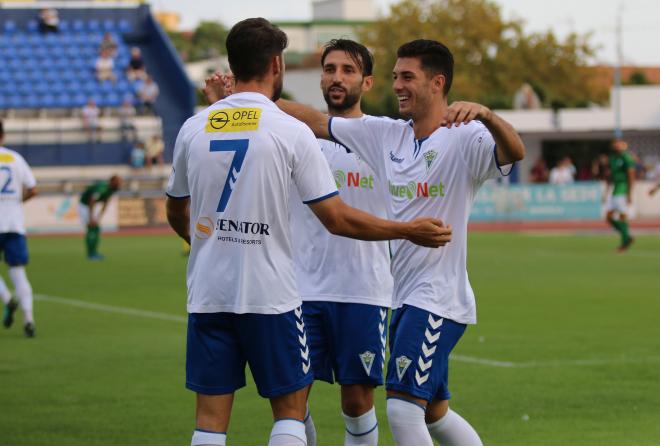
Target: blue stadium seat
(41, 88)
(78, 25)
(10, 27)
(48, 100)
(31, 101)
(112, 99)
(93, 25)
(3, 103)
(14, 101)
(24, 88)
(125, 26)
(65, 26)
(79, 99)
(109, 25)
(33, 26)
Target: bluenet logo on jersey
(233, 120)
(353, 179)
(417, 190)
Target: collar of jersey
(252, 95)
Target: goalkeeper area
(566, 351)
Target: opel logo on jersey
(233, 120)
(218, 120)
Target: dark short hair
(358, 52)
(2, 129)
(251, 44)
(434, 57)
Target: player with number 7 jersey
(234, 166)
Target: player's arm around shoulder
(344, 220)
(510, 147)
(314, 119)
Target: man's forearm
(178, 216)
(314, 119)
(510, 147)
(357, 224)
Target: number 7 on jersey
(239, 147)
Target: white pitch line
(110, 309)
(458, 358)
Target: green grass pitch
(566, 352)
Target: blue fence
(535, 202)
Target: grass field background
(566, 352)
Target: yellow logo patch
(233, 120)
(6, 158)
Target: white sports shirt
(434, 177)
(338, 269)
(15, 174)
(238, 161)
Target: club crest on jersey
(367, 359)
(402, 363)
(233, 120)
(429, 157)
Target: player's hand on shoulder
(429, 232)
(218, 86)
(462, 112)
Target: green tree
(638, 77)
(208, 40)
(493, 57)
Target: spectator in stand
(563, 172)
(148, 93)
(600, 168)
(109, 45)
(105, 66)
(127, 120)
(154, 149)
(135, 68)
(539, 172)
(49, 20)
(138, 155)
(90, 119)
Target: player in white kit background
(434, 165)
(234, 166)
(17, 184)
(345, 285)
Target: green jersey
(99, 191)
(620, 164)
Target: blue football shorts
(273, 345)
(420, 343)
(347, 341)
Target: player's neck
(353, 112)
(429, 121)
(254, 86)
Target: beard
(351, 97)
(277, 89)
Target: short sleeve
(630, 162)
(479, 153)
(28, 177)
(363, 136)
(177, 186)
(311, 172)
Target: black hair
(434, 57)
(251, 44)
(358, 52)
(2, 129)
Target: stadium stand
(45, 78)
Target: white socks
(288, 433)
(23, 291)
(206, 438)
(310, 429)
(5, 295)
(453, 430)
(407, 423)
(362, 430)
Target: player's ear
(367, 83)
(438, 83)
(277, 65)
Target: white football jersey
(238, 161)
(339, 269)
(436, 177)
(15, 174)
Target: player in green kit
(621, 181)
(90, 212)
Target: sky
(640, 19)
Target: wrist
(486, 114)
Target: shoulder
(9, 155)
